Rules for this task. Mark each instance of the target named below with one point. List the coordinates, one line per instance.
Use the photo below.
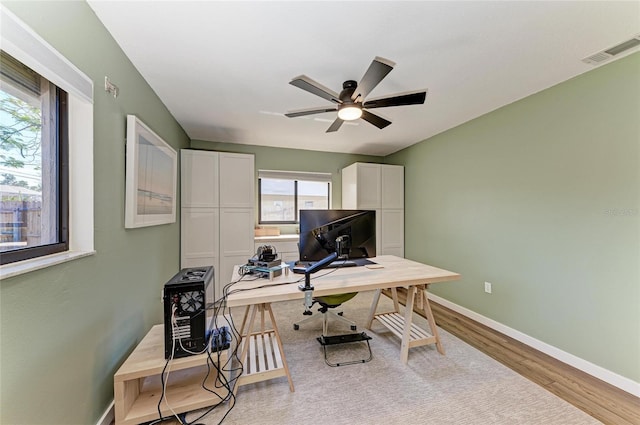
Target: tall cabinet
(217, 211)
(378, 187)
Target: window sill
(21, 267)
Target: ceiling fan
(350, 103)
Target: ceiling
(223, 68)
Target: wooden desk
(137, 384)
(389, 272)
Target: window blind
(295, 175)
(16, 74)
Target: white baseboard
(108, 416)
(601, 373)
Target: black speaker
(185, 312)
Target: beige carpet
(463, 387)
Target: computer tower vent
(185, 304)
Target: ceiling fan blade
(378, 69)
(335, 126)
(411, 98)
(314, 87)
(374, 119)
(311, 111)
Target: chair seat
(334, 300)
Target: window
(282, 194)
(33, 164)
(53, 163)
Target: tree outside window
(32, 149)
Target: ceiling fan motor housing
(348, 87)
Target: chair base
(325, 316)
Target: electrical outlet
(487, 287)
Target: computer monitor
(319, 230)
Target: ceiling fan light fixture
(349, 112)
(351, 103)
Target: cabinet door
(392, 183)
(237, 181)
(199, 178)
(236, 239)
(199, 239)
(287, 250)
(350, 187)
(392, 232)
(368, 191)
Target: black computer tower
(185, 315)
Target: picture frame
(150, 179)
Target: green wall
(542, 199)
(66, 329)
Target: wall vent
(605, 55)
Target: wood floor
(599, 399)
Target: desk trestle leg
(402, 325)
(262, 355)
(430, 319)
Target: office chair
(326, 303)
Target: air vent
(605, 55)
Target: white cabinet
(217, 216)
(285, 245)
(378, 187)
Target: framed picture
(151, 177)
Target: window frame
(61, 128)
(26, 46)
(294, 176)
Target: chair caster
(295, 327)
(353, 327)
(340, 313)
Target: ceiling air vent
(611, 52)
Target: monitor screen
(319, 230)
